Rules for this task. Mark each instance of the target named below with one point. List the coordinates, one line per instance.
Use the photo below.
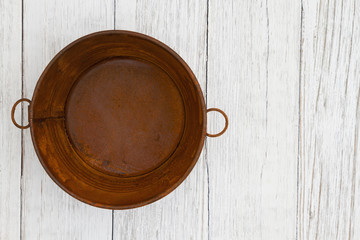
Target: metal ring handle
(226, 122)
(13, 111)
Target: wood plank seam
(112, 211)
(206, 142)
(22, 119)
(299, 122)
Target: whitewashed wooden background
(287, 72)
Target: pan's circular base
(124, 116)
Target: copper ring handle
(226, 122)
(13, 111)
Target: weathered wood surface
(329, 178)
(10, 137)
(253, 74)
(285, 72)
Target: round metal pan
(117, 119)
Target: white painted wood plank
(253, 75)
(329, 167)
(10, 136)
(48, 212)
(182, 214)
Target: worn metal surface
(125, 116)
(118, 119)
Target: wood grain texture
(285, 72)
(183, 213)
(47, 211)
(253, 75)
(10, 137)
(329, 180)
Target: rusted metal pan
(117, 119)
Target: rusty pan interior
(118, 119)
